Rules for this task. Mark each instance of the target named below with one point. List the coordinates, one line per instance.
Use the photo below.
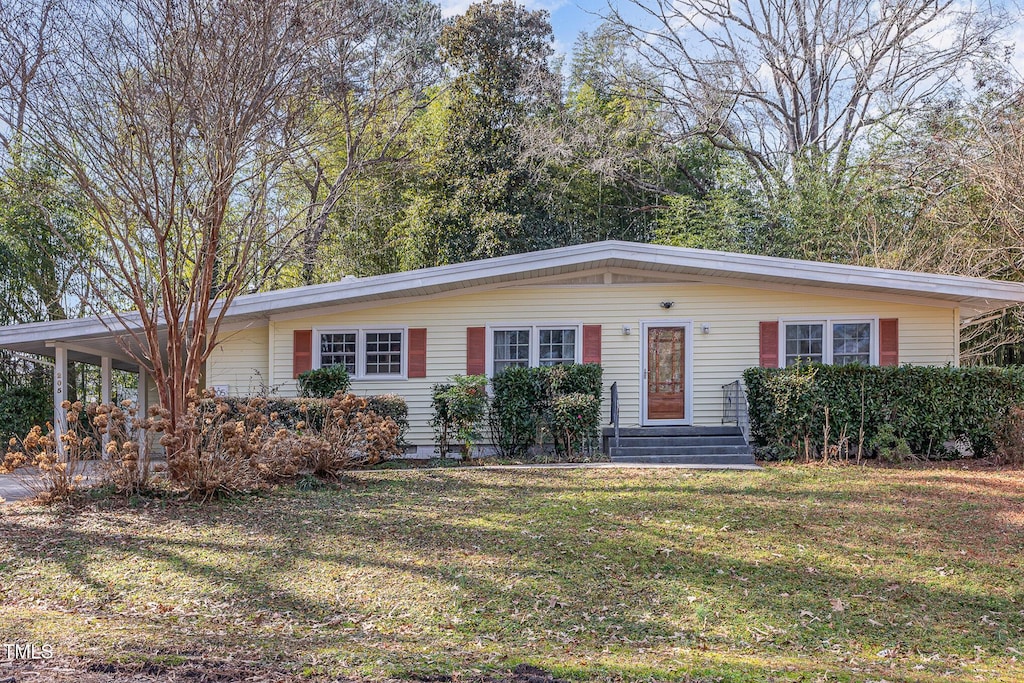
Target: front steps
(707, 446)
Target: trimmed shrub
(574, 421)
(324, 382)
(516, 409)
(304, 414)
(22, 407)
(459, 410)
(811, 410)
(582, 378)
(527, 404)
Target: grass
(788, 574)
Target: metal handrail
(734, 407)
(615, 411)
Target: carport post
(105, 368)
(140, 404)
(60, 394)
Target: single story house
(671, 326)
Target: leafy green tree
(478, 199)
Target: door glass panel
(666, 373)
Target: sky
(568, 17)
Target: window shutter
(302, 351)
(889, 341)
(592, 344)
(769, 344)
(476, 350)
(416, 363)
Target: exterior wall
(241, 362)
(928, 335)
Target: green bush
(810, 410)
(524, 402)
(21, 407)
(575, 379)
(574, 422)
(459, 410)
(324, 382)
(515, 416)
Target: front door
(666, 373)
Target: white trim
(361, 332)
(534, 328)
(60, 394)
(973, 295)
(686, 323)
(956, 338)
(827, 335)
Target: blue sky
(568, 17)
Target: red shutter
(302, 351)
(592, 344)
(889, 341)
(417, 359)
(476, 350)
(770, 344)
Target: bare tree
(374, 78)
(27, 44)
(780, 82)
(174, 120)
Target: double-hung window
(365, 353)
(839, 342)
(534, 346)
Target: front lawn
(789, 574)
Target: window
(364, 353)
(804, 342)
(533, 346)
(839, 342)
(851, 343)
(557, 347)
(338, 348)
(511, 349)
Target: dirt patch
(83, 671)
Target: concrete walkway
(11, 489)
(611, 465)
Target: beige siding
(927, 335)
(241, 361)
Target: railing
(734, 407)
(615, 411)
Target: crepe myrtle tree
(173, 119)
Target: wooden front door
(666, 374)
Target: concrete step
(736, 459)
(652, 441)
(673, 431)
(680, 450)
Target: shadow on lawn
(517, 562)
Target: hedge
(878, 409)
(288, 412)
(21, 407)
(528, 401)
